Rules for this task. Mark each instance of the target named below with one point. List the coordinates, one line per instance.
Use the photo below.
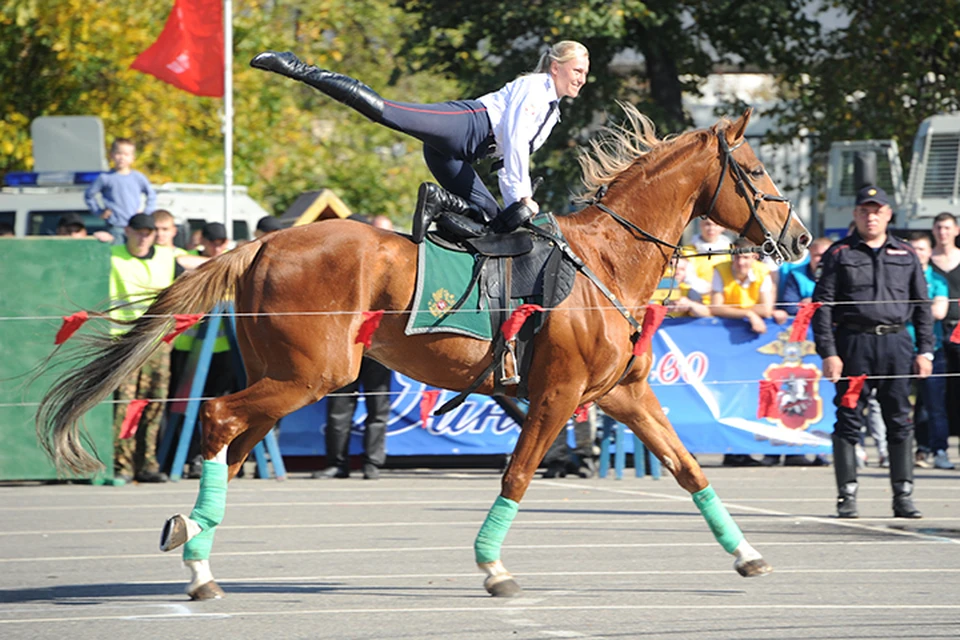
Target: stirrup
(504, 378)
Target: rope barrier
(255, 314)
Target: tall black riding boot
(901, 479)
(433, 200)
(341, 88)
(845, 467)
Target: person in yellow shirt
(743, 289)
(138, 268)
(680, 298)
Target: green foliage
(70, 57)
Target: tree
(651, 54)
(64, 59)
(885, 68)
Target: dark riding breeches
(454, 134)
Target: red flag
(70, 326)
(767, 407)
(798, 332)
(183, 322)
(131, 419)
(511, 325)
(371, 320)
(651, 322)
(428, 400)
(955, 335)
(189, 52)
(852, 396)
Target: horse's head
(741, 196)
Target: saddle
(530, 264)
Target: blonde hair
(560, 52)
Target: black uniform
(867, 330)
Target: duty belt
(875, 329)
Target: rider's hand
(531, 204)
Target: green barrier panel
(43, 277)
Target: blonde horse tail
(104, 362)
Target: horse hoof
(507, 588)
(754, 568)
(177, 530)
(207, 591)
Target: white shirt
(516, 113)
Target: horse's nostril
(803, 241)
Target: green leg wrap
(486, 547)
(208, 510)
(725, 530)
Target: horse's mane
(615, 148)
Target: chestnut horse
(294, 356)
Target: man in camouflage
(139, 268)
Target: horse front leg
(547, 415)
(636, 406)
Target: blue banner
(706, 374)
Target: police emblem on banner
(798, 403)
(442, 301)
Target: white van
(34, 210)
(68, 156)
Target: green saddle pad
(442, 279)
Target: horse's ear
(736, 131)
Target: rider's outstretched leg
(341, 88)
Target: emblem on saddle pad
(441, 303)
(798, 384)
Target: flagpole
(228, 115)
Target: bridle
(771, 247)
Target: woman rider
(510, 124)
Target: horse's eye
(757, 173)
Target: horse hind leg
(637, 407)
(231, 426)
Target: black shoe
(151, 476)
(588, 468)
(903, 507)
(795, 461)
(341, 88)
(771, 460)
(371, 472)
(331, 472)
(847, 507)
(555, 470)
(740, 460)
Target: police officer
(509, 124)
(867, 280)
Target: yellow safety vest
(736, 294)
(137, 280)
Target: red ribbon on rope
(767, 406)
(131, 419)
(582, 414)
(371, 321)
(511, 325)
(955, 335)
(70, 326)
(798, 332)
(428, 400)
(651, 322)
(851, 398)
(182, 322)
